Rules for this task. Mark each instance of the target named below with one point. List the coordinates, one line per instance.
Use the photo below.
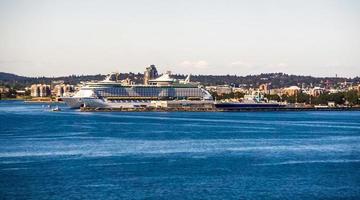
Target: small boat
(56, 109)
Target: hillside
(277, 80)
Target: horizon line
(59, 76)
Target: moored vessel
(111, 93)
(253, 101)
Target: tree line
(276, 80)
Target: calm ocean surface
(243, 155)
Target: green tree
(338, 98)
(227, 96)
(27, 93)
(289, 99)
(321, 99)
(302, 98)
(273, 97)
(239, 95)
(352, 97)
(10, 94)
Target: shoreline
(195, 109)
(85, 109)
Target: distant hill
(277, 80)
(8, 77)
(17, 82)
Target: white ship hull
(73, 102)
(101, 103)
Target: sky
(242, 37)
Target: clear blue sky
(52, 38)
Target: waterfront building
(316, 91)
(3, 90)
(358, 88)
(56, 82)
(335, 90)
(225, 89)
(276, 91)
(62, 89)
(292, 90)
(264, 88)
(35, 90)
(20, 92)
(44, 90)
(40, 90)
(210, 88)
(239, 89)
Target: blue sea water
(177, 155)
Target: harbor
(164, 93)
(179, 100)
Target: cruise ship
(112, 93)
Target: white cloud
(281, 67)
(252, 67)
(242, 64)
(200, 64)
